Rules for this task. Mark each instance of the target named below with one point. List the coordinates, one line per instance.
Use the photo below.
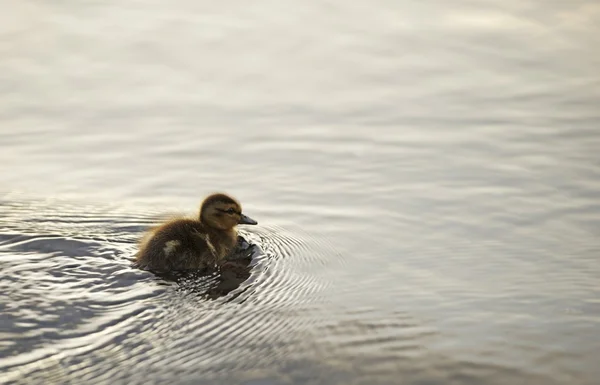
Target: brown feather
(189, 244)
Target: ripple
(74, 309)
(71, 292)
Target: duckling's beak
(245, 220)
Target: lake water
(425, 174)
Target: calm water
(425, 175)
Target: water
(425, 175)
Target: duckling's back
(177, 245)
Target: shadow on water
(215, 283)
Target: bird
(184, 244)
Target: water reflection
(214, 283)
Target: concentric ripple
(73, 302)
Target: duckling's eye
(231, 211)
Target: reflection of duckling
(187, 244)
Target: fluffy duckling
(189, 244)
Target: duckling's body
(190, 244)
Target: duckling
(190, 244)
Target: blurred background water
(425, 175)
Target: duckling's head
(222, 212)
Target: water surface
(425, 175)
